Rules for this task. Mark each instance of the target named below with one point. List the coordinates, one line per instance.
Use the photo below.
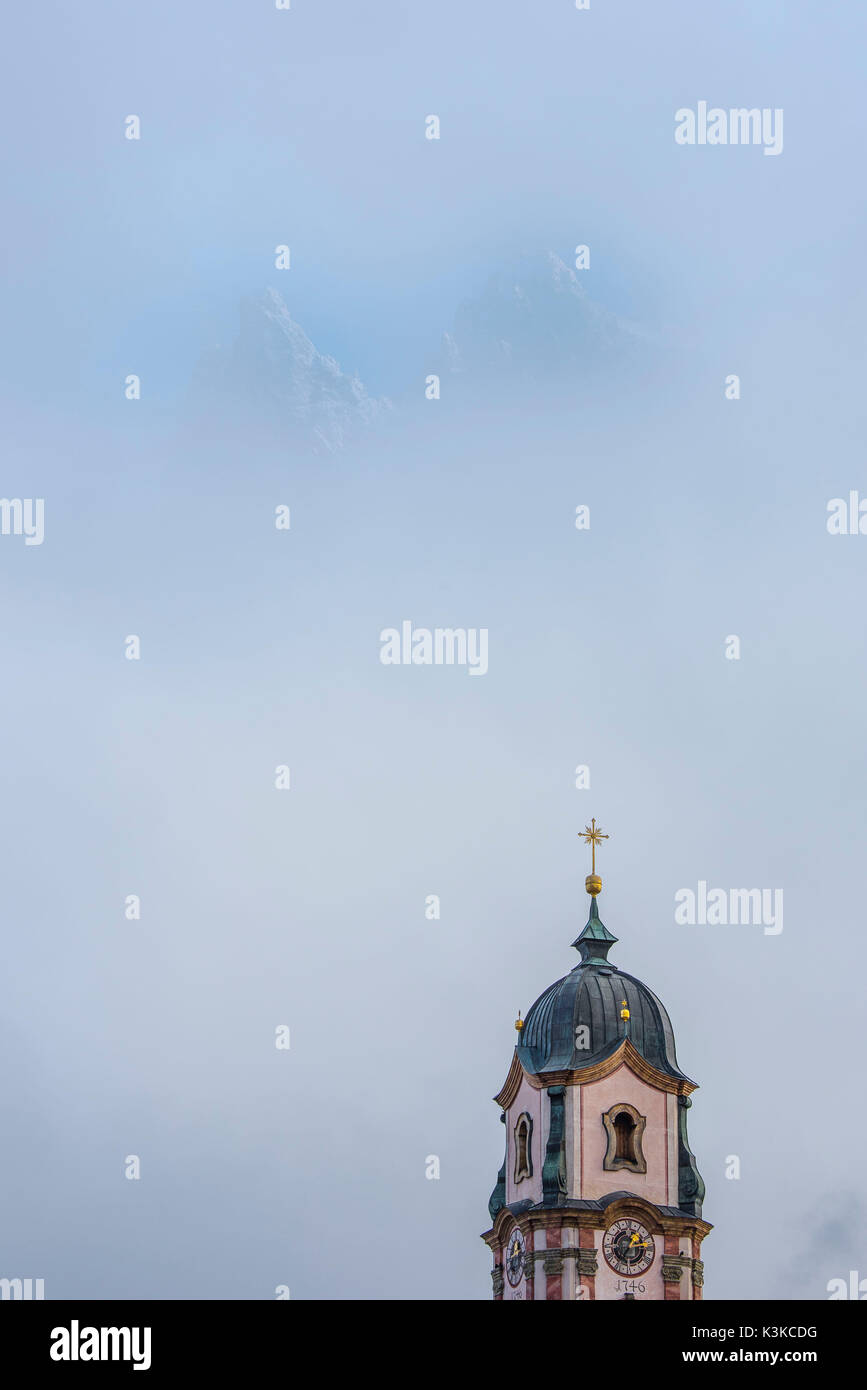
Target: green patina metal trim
(690, 1186)
(498, 1196)
(554, 1167)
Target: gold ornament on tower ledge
(593, 834)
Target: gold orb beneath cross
(593, 884)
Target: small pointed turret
(595, 940)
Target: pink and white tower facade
(599, 1195)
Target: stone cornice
(542, 1218)
(674, 1266)
(512, 1083)
(624, 1055)
(586, 1259)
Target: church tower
(599, 1195)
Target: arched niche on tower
(624, 1129)
(523, 1147)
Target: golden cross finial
(592, 834)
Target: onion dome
(583, 1018)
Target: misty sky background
(708, 518)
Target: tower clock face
(628, 1247)
(516, 1257)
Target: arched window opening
(624, 1129)
(523, 1148)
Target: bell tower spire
(595, 940)
(599, 1195)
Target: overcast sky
(260, 648)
